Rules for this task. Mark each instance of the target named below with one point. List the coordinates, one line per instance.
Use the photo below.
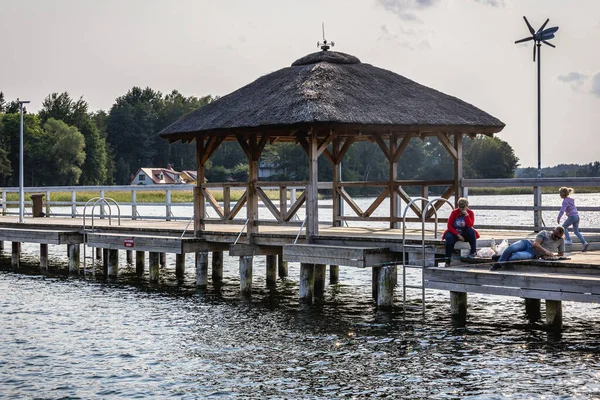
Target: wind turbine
(540, 36)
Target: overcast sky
(465, 48)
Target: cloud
(405, 9)
(408, 38)
(493, 3)
(572, 77)
(577, 80)
(596, 84)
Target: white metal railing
(182, 211)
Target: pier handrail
(105, 201)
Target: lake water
(83, 338)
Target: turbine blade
(543, 26)
(524, 40)
(529, 26)
(548, 43)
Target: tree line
(67, 144)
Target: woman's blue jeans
(574, 220)
(451, 239)
(521, 250)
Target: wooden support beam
(129, 256)
(400, 149)
(377, 202)
(238, 206)
(213, 202)
(350, 202)
(312, 200)
(295, 207)
(458, 165)
(447, 144)
(269, 204)
(199, 201)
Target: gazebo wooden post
(458, 165)
(337, 178)
(252, 203)
(394, 199)
(199, 209)
(312, 199)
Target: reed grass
(144, 196)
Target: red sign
(128, 242)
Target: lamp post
(21, 194)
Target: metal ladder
(103, 201)
(405, 265)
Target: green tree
(488, 158)
(75, 113)
(131, 131)
(2, 102)
(32, 152)
(65, 146)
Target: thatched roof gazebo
(325, 101)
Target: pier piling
(307, 283)
(202, 269)
(16, 255)
(44, 256)
(334, 274)
(179, 265)
(385, 293)
(74, 251)
(140, 262)
(154, 261)
(113, 263)
(246, 275)
(554, 314)
(319, 285)
(271, 265)
(217, 267)
(458, 304)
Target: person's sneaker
(496, 267)
(495, 257)
(585, 247)
(448, 261)
(472, 255)
(568, 242)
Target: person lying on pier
(460, 228)
(546, 243)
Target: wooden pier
(381, 249)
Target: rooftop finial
(324, 45)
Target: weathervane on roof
(324, 45)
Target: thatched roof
(336, 91)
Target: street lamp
(21, 195)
